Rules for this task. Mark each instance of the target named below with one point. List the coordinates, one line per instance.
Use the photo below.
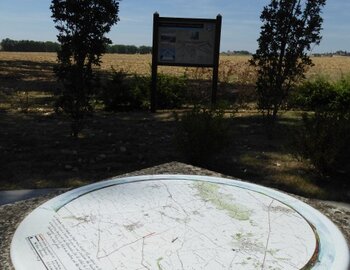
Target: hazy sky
(30, 19)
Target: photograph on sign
(186, 43)
(167, 54)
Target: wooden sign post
(185, 42)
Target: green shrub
(313, 95)
(202, 134)
(321, 95)
(341, 103)
(125, 92)
(171, 91)
(323, 140)
(122, 93)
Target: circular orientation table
(164, 222)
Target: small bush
(323, 139)
(171, 91)
(322, 95)
(312, 94)
(341, 103)
(202, 134)
(125, 92)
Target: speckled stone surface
(12, 214)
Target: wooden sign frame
(210, 57)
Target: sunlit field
(331, 67)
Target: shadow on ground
(36, 151)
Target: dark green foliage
(312, 95)
(124, 93)
(171, 91)
(341, 104)
(145, 49)
(82, 26)
(128, 49)
(10, 45)
(321, 95)
(74, 99)
(122, 49)
(242, 52)
(323, 139)
(203, 134)
(290, 29)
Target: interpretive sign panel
(186, 42)
(176, 222)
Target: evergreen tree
(82, 25)
(290, 29)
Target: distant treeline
(242, 52)
(128, 49)
(10, 45)
(337, 53)
(329, 54)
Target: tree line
(241, 52)
(337, 53)
(10, 45)
(128, 49)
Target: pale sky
(30, 19)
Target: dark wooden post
(216, 59)
(154, 63)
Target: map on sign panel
(186, 43)
(167, 224)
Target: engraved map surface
(174, 224)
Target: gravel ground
(12, 214)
